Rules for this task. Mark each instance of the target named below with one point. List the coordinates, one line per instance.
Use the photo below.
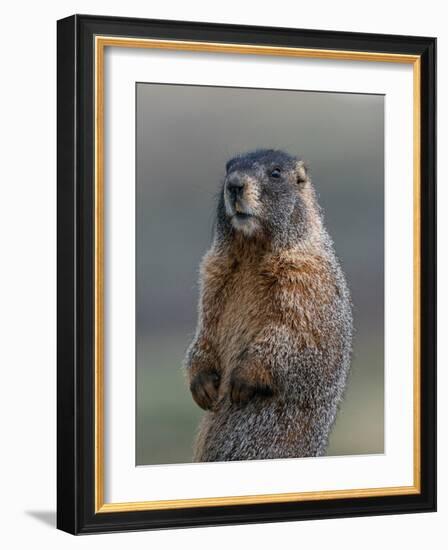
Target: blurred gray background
(185, 135)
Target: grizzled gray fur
(271, 354)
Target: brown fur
(263, 286)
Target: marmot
(271, 353)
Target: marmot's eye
(276, 173)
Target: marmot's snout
(241, 200)
(235, 187)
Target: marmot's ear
(301, 171)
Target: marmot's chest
(245, 311)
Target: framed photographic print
(246, 274)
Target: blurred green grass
(359, 427)
(166, 416)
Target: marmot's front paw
(204, 388)
(243, 388)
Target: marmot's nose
(235, 185)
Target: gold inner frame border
(100, 43)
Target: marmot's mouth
(245, 222)
(242, 216)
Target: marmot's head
(267, 194)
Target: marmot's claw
(241, 391)
(204, 388)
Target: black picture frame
(76, 262)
